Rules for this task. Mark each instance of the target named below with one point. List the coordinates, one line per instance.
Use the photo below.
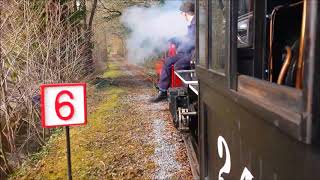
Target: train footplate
(178, 106)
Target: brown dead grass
(117, 143)
(110, 146)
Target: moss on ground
(113, 71)
(106, 148)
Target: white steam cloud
(151, 28)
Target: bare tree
(40, 42)
(48, 41)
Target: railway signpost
(64, 105)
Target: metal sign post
(64, 105)
(68, 153)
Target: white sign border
(42, 89)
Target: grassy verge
(105, 148)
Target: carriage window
(245, 23)
(203, 32)
(275, 56)
(268, 44)
(219, 9)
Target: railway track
(192, 156)
(188, 139)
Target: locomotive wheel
(175, 102)
(175, 119)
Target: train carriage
(252, 102)
(258, 71)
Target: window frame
(296, 121)
(206, 64)
(220, 72)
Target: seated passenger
(185, 48)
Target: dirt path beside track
(126, 136)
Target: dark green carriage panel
(254, 143)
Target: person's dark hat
(187, 7)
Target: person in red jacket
(185, 48)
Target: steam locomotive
(252, 104)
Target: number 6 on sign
(59, 105)
(63, 104)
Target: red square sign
(63, 105)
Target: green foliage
(38, 4)
(77, 16)
(63, 1)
